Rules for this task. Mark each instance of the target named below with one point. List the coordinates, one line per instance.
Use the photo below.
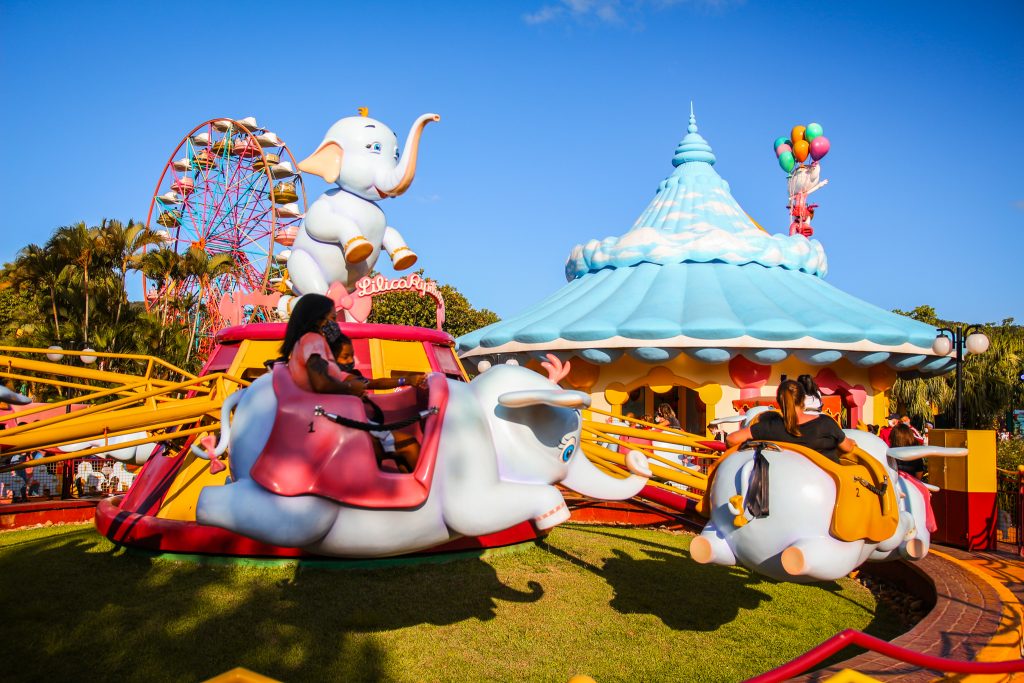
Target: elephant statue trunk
(585, 478)
(396, 181)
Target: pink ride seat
(308, 454)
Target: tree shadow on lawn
(76, 609)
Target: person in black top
(818, 432)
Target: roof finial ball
(692, 128)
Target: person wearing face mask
(311, 332)
(320, 357)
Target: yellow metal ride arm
(163, 401)
(599, 439)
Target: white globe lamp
(54, 356)
(977, 343)
(942, 346)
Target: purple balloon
(819, 147)
(782, 148)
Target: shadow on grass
(689, 596)
(74, 609)
(671, 586)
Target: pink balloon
(782, 148)
(819, 147)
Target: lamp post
(961, 337)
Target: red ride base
(171, 536)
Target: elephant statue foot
(711, 548)
(403, 257)
(358, 249)
(553, 517)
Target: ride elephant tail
(225, 428)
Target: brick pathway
(968, 617)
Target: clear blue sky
(559, 118)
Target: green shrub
(1010, 454)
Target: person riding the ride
(321, 359)
(794, 425)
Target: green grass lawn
(614, 603)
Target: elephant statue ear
(8, 396)
(548, 397)
(324, 162)
(917, 452)
(747, 418)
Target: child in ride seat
(404, 453)
(321, 358)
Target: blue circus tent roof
(695, 275)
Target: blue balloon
(780, 141)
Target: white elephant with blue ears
(506, 438)
(345, 230)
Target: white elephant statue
(774, 510)
(502, 441)
(133, 455)
(344, 230)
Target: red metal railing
(851, 637)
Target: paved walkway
(977, 616)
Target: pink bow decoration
(355, 307)
(209, 444)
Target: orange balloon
(797, 135)
(801, 149)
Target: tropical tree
(203, 269)
(992, 385)
(121, 245)
(409, 308)
(78, 246)
(37, 267)
(163, 266)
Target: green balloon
(787, 161)
(813, 130)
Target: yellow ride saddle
(865, 498)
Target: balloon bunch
(803, 141)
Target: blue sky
(559, 118)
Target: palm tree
(205, 269)
(77, 245)
(163, 266)
(37, 266)
(992, 385)
(120, 246)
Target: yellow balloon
(796, 136)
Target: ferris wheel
(231, 188)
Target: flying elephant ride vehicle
(474, 464)
(790, 513)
